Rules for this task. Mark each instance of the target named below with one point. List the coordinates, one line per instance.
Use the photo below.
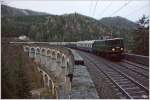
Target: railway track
(137, 65)
(128, 87)
(138, 74)
(139, 70)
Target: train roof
(111, 39)
(92, 41)
(87, 41)
(115, 39)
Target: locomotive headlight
(121, 48)
(113, 49)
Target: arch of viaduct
(57, 62)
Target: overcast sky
(131, 9)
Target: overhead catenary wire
(121, 8)
(106, 8)
(90, 8)
(137, 10)
(95, 7)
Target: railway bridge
(74, 74)
(61, 76)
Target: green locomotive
(108, 47)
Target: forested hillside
(67, 27)
(10, 11)
(19, 74)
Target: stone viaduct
(57, 63)
(56, 70)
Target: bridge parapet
(54, 63)
(62, 74)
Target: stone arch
(46, 80)
(63, 61)
(55, 92)
(32, 52)
(53, 54)
(37, 50)
(41, 79)
(58, 57)
(48, 53)
(50, 85)
(26, 48)
(37, 54)
(48, 57)
(43, 51)
(43, 56)
(68, 66)
(32, 49)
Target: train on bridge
(109, 48)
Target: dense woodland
(141, 37)
(19, 74)
(72, 27)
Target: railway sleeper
(108, 81)
(123, 97)
(140, 97)
(108, 70)
(113, 74)
(138, 93)
(144, 75)
(116, 75)
(137, 65)
(123, 82)
(131, 90)
(127, 85)
(118, 78)
(120, 95)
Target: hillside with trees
(141, 37)
(68, 27)
(19, 73)
(11, 11)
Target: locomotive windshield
(115, 42)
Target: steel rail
(123, 74)
(130, 78)
(143, 74)
(115, 83)
(125, 61)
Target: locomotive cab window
(114, 42)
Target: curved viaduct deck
(60, 74)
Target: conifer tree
(141, 37)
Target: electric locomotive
(108, 47)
